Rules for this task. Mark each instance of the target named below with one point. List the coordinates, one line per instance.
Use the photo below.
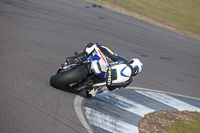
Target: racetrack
(36, 36)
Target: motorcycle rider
(119, 73)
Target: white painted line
(109, 123)
(152, 90)
(169, 100)
(125, 104)
(77, 104)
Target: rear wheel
(69, 77)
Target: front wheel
(69, 77)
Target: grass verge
(170, 121)
(180, 15)
(185, 126)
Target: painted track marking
(77, 104)
(125, 104)
(78, 100)
(109, 123)
(170, 101)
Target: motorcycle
(74, 74)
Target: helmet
(136, 65)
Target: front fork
(64, 67)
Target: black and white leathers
(120, 69)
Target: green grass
(185, 127)
(182, 14)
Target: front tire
(69, 77)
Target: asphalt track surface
(36, 36)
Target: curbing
(78, 104)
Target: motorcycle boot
(91, 92)
(78, 58)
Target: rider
(119, 73)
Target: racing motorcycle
(74, 74)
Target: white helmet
(136, 65)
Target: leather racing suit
(119, 73)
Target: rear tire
(69, 77)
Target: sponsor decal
(109, 77)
